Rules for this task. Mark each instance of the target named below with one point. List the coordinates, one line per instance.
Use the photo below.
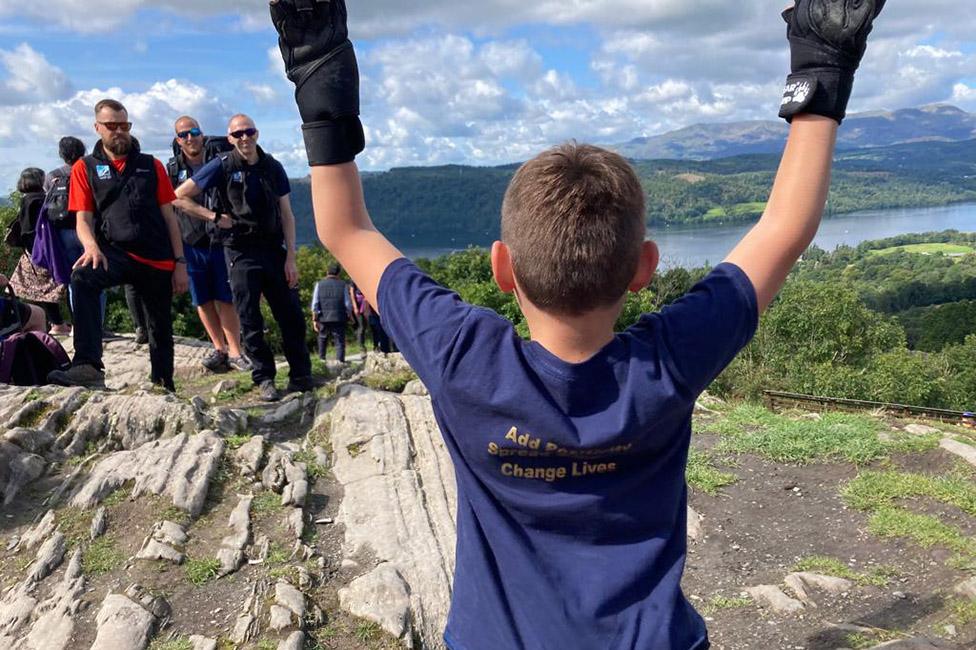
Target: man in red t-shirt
(130, 235)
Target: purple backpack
(27, 358)
(48, 253)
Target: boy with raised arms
(570, 449)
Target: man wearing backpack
(259, 243)
(205, 262)
(130, 235)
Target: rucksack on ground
(28, 357)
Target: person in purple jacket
(570, 449)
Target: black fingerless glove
(320, 60)
(827, 41)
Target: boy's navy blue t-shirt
(572, 502)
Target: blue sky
(447, 82)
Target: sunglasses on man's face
(240, 133)
(125, 127)
(189, 133)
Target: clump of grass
(313, 469)
(394, 381)
(357, 448)
(702, 474)
(834, 437)
(238, 440)
(366, 631)
(102, 556)
(878, 576)
(719, 602)
(925, 530)
(175, 643)
(116, 497)
(266, 502)
(963, 611)
(267, 644)
(203, 570)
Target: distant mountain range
(936, 122)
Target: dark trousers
(155, 287)
(360, 330)
(338, 333)
(136, 309)
(258, 270)
(381, 341)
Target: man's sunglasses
(240, 133)
(125, 127)
(189, 133)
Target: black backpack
(56, 200)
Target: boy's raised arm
(319, 59)
(827, 40)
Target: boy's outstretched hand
(827, 41)
(320, 61)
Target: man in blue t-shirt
(570, 449)
(255, 222)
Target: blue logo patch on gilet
(104, 172)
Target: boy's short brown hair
(573, 219)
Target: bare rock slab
(122, 625)
(960, 449)
(381, 596)
(180, 467)
(772, 597)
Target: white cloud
(263, 93)
(29, 77)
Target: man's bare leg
(211, 322)
(231, 325)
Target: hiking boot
(300, 385)
(141, 337)
(268, 392)
(109, 335)
(240, 363)
(215, 361)
(86, 376)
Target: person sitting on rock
(570, 449)
(16, 316)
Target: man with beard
(130, 235)
(205, 263)
(255, 211)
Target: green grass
(238, 440)
(877, 492)
(963, 611)
(393, 382)
(718, 602)
(200, 571)
(366, 631)
(750, 428)
(102, 556)
(873, 490)
(313, 469)
(736, 211)
(928, 249)
(702, 474)
(266, 502)
(878, 576)
(115, 498)
(176, 643)
(267, 644)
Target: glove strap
(333, 142)
(819, 91)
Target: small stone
(899, 595)
(324, 520)
(98, 525)
(225, 385)
(920, 429)
(280, 618)
(295, 641)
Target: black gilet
(248, 196)
(127, 213)
(332, 301)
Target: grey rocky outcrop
(231, 553)
(128, 363)
(17, 469)
(399, 503)
(382, 596)
(249, 456)
(123, 625)
(165, 542)
(47, 625)
(128, 420)
(180, 468)
(772, 597)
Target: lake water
(699, 245)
